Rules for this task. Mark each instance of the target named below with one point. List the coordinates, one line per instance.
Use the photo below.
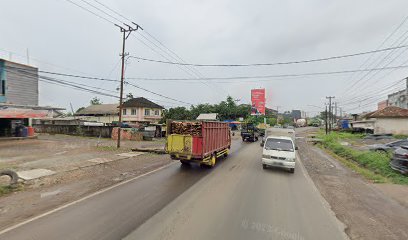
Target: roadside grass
(400, 136)
(372, 165)
(4, 190)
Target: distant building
(19, 98)
(296, 114)
(104, 113)
(400, 98)
(19, 83)
(271, 112)
(383, 104)
(134, 110)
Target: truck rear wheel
(292, 170)
(213, 160)
(184, 162)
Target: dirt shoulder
(82, 166)
(370, 211)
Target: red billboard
(258, 101)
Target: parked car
(399, 161)
(388, 146)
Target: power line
(270, 64)
(93, 6)
(220, 78)
(93, 13)
(270, 76)
(104, 79)
(117, 13)
(380, 46)
(361, 80)
(158, 94)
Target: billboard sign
(258, 101)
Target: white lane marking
(82, 199)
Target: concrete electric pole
(330, 112)
(126, 33)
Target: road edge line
(81, 199)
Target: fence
(89, 131)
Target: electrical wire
(270, 76)
(270, 64)
(93, 13)
(103, 79)
(380, 46)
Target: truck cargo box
(197, 140)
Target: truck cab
(279, 151)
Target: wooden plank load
(186, 128)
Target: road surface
(235, 200)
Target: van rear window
(279, 144)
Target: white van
(279, 152)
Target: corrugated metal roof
(110, 109)
(207, 116)
(391, 112)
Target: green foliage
(4, 190)
(177, 113)
(377, 163)
(129, 96)
(79, 109)
(95, 101)
(271, 121)
(400, 136)
(226, 110)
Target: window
(133, 111)
(3, 87)
(156, 112)
(124, 111)
(147, 112)
(279, 144)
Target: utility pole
(325, 119)
(126, 33)
(335, 114)
(330, 112)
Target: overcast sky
(62, 37)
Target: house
(141, 109)
(391, 120)
(104, 113)
(19, 98)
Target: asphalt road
(235, 200)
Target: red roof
(391, 112)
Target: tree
(177, 113)
(79, 109)
(95, 101)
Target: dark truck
(249, 132)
